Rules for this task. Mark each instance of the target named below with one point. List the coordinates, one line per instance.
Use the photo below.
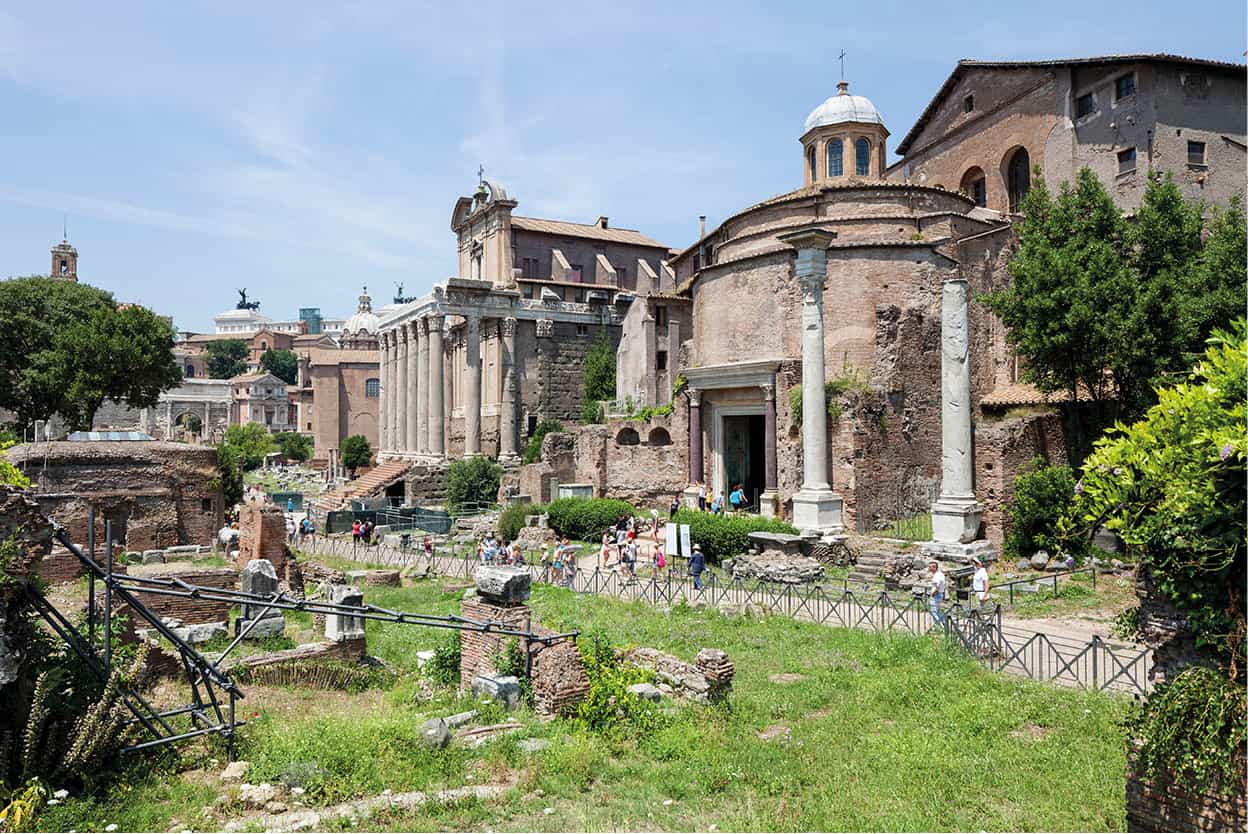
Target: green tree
(1172, 486)
(294, 446)
(533, 451)
(252, 441)
(472, 480)
(1109, 307)
(283, 364)
(66, 347)
(227, 358)
(356, 452)
(598, 377)
(231, 474)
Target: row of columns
(413, 384)
(771, 482)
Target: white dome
(364, 320)
(842, 108)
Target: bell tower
(65, 261)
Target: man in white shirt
(936, 588)
(979, 585)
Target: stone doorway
(743, 455)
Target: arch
(189, 371)
(836, 158)
(810, 162)
(628, 436)
(1017, 165)
(975, 185)
(659, 437)
(862, 157)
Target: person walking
(702, 497)
(936, 588)
(606, 548)
(717, 506)
(979, 586)
(355, 533)
(674, 508)
(654, 523)
(621, 540)
(660, 561)
(737, 499)
(697, 564)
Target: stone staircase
(368, 484)
(868, 569)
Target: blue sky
(303, 149)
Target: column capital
(434, 322)
(507, 327)
(383, 340)
(769, 392)
(809, 237)
(695, 396)
(402, 333)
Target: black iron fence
(1095, 664)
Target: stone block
(197, 633)
(502, 689)
(646, 691)
(459, 719)
(342, 627)
(271, 626)
(153, 557)
(257, 577)
(775, 566)
(507, 585)
(435, 733)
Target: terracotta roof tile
(1022, 393)
(583, 230)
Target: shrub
(1042, 498)
(533, 452)
(444, 667)
(294, 446)
(252, 441)
(511, 520)
(585, 519)
(723, 537)
(598, 376)
(472, 480)
(609, 708)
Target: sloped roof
(1023, 393)
(342, 357)
(584, 230)
(967, 63)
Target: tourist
(936, 587)
(606, 548)
(355, 532)
(697, 564)
(290, 505)
(979, 585)
(717, 506)
(290, 529)
(630, 558)
(654, 523)
(660, 561)
(226, 536)
(673, 508)
(702, 497)
(569, 568)
(517, 555)
(312, 530)
(737, 499)
(621, 540)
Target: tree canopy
(356, 452)
(66, 347)
(282, 363)
(227, 358)
(252, 441)
(1111, 307)
(295, 446)
(598, 375)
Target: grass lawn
(1075, 596)
(884, 733)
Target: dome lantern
(844, 139)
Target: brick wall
(477, 650)
(188, 609)
(1164, 805)
(262, 535)
(558, 675)
(1004, 449)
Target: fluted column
(472, 386)
(422, 386)
(392, 399)
(507, 440)
(413, 388)
(815, 507)
(400, 390)
(383, 404)
(436, 408)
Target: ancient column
(392, 397)
(507, 440)
(472, 385)
(955, 514)
(400, 390)
(422, 386)
(413, 387)
(815, 507)
(383, 404)
(695, 436)
(436, 410)
(767, 501)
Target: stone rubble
(776, 566)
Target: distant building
(260, 398)
(64, 261)
(1124, 116)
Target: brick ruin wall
(477, 650)
(558, 675)
(425, 485)
(262, 535)
(157, 494)
(188, 609)
(1004, 448)
(1168, 805)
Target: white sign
(669, 535)
(685, 549)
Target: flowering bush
(1042, 499)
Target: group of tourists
(301, 531)
(623, 539)
(362, 532)
(736, 501)
(938, 589)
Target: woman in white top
(979, 585)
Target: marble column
(383, 404)
(434, 405)
(400, 390)
(392, 397)
(422, 386)
(696, 473)
(413, 388)
(472, 386)
(767, 501)
(507, 440)
(955, 514)
(815, 507)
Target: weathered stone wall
(22, 522)
(157, 494)
(1167, 630)
(425, 485)
(262, 535)
(477, 650)
(1004, 448)
(1170, 805)
(557, 673)
(189, 609)
(652, 471)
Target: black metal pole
(91, 579)
(108, 598)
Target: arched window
(628, 437)
(862, 157)
(836, 158)
(264, 345)
(189, 371)
(372, 387)
(659, 437)
(810, 160)
(974, 185)
(1018, 177)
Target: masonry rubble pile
(258, 577)
(707, 681)
(776, 566)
